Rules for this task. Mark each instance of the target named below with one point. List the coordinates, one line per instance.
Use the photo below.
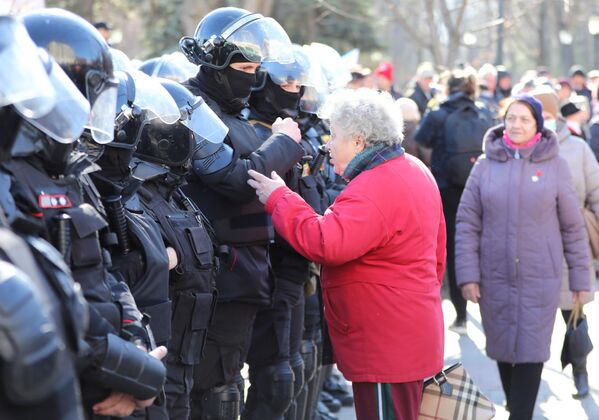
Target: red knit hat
(385, 69)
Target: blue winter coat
(516, 220)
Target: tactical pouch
(202, 245)
(85, 248)
(191, 317)
(124, 367)
(159, 322)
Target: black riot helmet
(166, 144)
(140, 100)
(85, 57)
(272, 97)
(227, 31)
(196, 114)
(169, 66)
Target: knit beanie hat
(570, 108)
(385, 69)
(548, 98)
(536, 107)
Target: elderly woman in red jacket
(382, 250)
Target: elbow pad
(211, 157)
(121, 366)
(32, 353)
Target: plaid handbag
(451, 395)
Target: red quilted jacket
(382, 250)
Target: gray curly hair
(365, 113)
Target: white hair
(365, 113)
(487, 69)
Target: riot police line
(128, 227)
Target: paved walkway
(554, 401)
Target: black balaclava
(9, 127)
(229, 88)
(273, 101)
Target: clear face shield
(315, 94)
(120, 61)
(33, 96)
(67, 119)
(205, 124)
(141, 99)
(102, 91)
(154, 99)
(303, 71)
(173, 67)
(260, 39)
(333, 66)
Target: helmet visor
(262, 40)
(333, 66)
(101, 120)
(173, 66)
(312, 100)
(32, 95)
(153, 98)
(67, 119)
(304, 71)
(120, 61)
(205, 123)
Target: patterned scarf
(370, 158)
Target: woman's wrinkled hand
(264, 185)
(579, 297)
(117, 404)
(471, 292)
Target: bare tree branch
(403, 22)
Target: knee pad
(273, 385)
(221, 403)
(297, 365)
(308, 353)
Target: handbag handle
(575, 315)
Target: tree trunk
(543, 56)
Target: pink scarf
(509, 143)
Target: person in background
(578, 79)
(487, 78)
(518, 217)
(382, 256)
(384, 79)
(585, 175)
(443, 138)
(411, 117)
(105, 30)
(360, 77)
(564, 91)
(421, 91)
(504, 83)
(574, 118)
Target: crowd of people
(249, 201)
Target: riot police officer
(139, 257)
(164, 158)
(50, 195)
(276, 365)
(43, 314)
(229, 44)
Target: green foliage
(162, 20)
